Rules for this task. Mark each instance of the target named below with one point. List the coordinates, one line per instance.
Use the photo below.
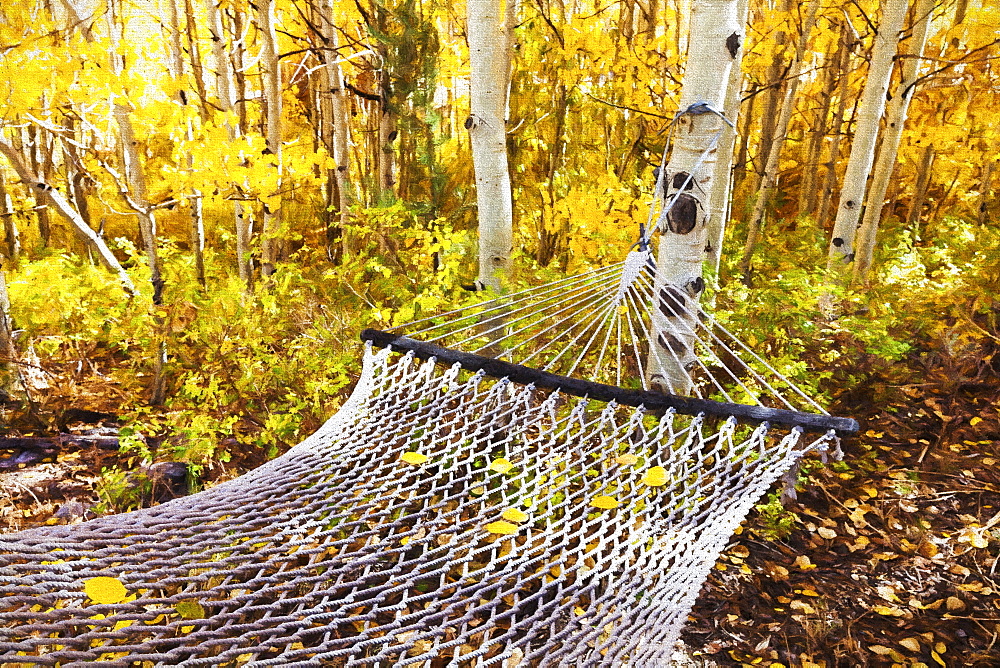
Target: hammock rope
(502, 488)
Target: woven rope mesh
(526, 527)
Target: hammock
(502, 488)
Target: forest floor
(889, 558)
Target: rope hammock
(504, 487)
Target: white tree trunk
(272, 100)
(47, 195)
(686, 182)
(895, 115)
(870, 112)
(341, 126)
(770, 177)
(197, 229)
(224, 89)
(722, 180)
(830, 176)
(488, 135)
(11, 235)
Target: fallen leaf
(501, 465)
(105, 590)
(803, 563)
(655, 477)
(604, 502)
(414, 458)
(626, 460)
(514, 515)
(911, 644)
(502, 528)
(190, 610)
(954, 604)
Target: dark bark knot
(683, 215)
(837, 242)
(695, 286)
(670, 342)
(733, 44)
(672, 302)
(682, 181)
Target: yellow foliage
(103, 589)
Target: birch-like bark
(770, 176)
(830, 176)
(488, 136)
(136, 197)
(224, 89)
(11, 235)
(859, 164)
(340, 135)
(808, 190)
(45, 194)
(40, 166)
(272, 100)
(888, 153)
(722, 180)
(920, 191)
(686, 183)
(7, 352)
(196, 230)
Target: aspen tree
(769, 179)
(722, 180)
(870, 111)
(45, 194)
(920, 190)
(334, 79)
(132, 186)
(7, 352)
(830, 175)
(487, 132)
(11, 235)
(242, 216)
(776, 81)
(686, 182)
(271, 75)
(895, 116)
(197, 222)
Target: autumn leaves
(512, 518)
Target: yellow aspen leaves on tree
(514, 515)
(604, 502)
(414, 458)
(502, 528)
(104, 589)
(501, 465)
(655, 476)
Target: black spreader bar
(584, 388)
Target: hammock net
(502, 488)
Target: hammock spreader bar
(809, 422)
